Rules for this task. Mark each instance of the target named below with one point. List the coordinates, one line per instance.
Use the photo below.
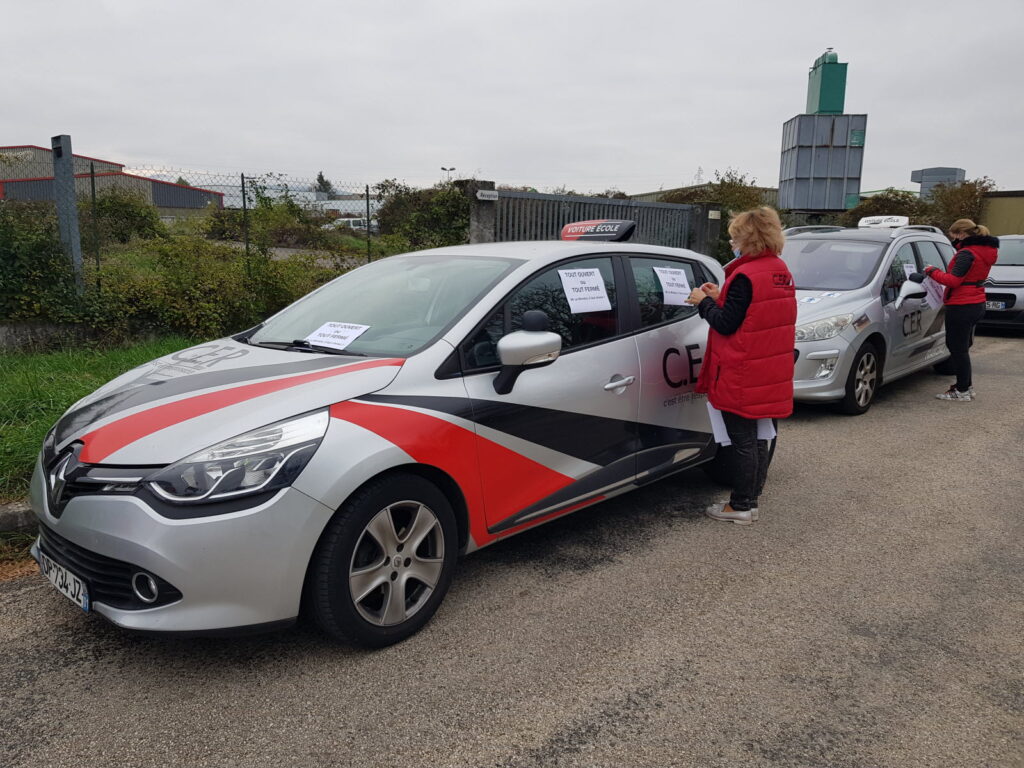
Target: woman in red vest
(976, 252)
(748, 368)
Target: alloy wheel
(396, 563)
(865, 379)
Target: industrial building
(823, 149)
(26, 173)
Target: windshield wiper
(301, 345)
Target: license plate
(67, 583)
(995, 305)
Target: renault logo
(58, 476)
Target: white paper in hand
(584, 288)
(336, 335)
(674, 286)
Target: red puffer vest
(750, 372)
(968, 289)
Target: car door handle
(618, 383)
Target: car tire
(384, 563)
(863, 381)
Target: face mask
(736, 252)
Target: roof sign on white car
(336, 335)
(612, 230)
(883, 222)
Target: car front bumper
(813, 357)
(237, 570)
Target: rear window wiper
(301, 345)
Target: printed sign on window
(336, 335)
(909, 269)
(584, 288)
(674, 285)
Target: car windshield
(1011, 253)
(831, 265)
(393, 307)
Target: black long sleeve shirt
(728, 318)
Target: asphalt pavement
(873, 617)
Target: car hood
(1007, 274)
(818, 304)
(173, 406)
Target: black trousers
(960, 322)
(752, 459)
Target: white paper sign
(909, 269)
(336, 335)
(765, 427)
(674, 286)
(936, 292)
(584, 288)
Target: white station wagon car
(854, 332)
(348, 449)
(1004, 289)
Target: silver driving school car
(343, 453)
(854, 329)
(1004, 289)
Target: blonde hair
(757, 231)
(967, 227)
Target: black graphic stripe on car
(596, 439)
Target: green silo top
(826, 85)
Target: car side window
(546, 293)
(929, 256)
(655, 307)
(947, 252)
(897, 274)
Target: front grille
(108, 580)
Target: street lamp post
(448, 171)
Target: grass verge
(36, 388)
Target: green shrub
(121, 214)
(424, 218)
(191, 286)
(36, 279)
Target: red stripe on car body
(466, 458)
(102, 442)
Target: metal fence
(78, 186)
(537, 216)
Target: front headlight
(823, 329)
(264, 459)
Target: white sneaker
(956, 395)
(718, 512)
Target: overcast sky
(588, 94)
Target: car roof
(531, 250)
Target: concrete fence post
(67, 203)
(483, 209)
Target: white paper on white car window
(675, 288)
(336, 335)
(765, 427)
(909, 269)
(584, 288)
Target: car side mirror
(532, 347)
(910, 290)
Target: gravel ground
(872, 618)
